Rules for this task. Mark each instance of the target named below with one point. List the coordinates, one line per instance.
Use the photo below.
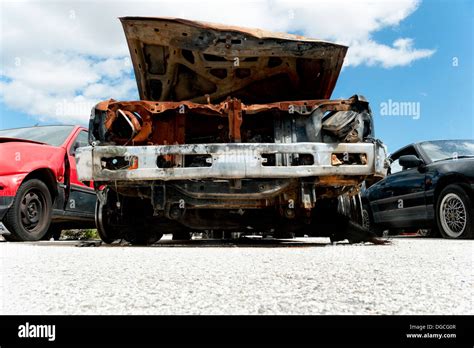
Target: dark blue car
(430, 185)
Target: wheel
(106, 231)
(454, 213)
(365, 219)
(121, 217)
(368, 221)
(355, 210)
(29, 217)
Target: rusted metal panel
(235, 120)
(176, 59)
(161, 123)
(229, 161)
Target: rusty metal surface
(176, 59)
(234, 131)
(155, 129)
(229, 161)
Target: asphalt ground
(410, 275)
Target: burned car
(234, 132)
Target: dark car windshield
(448, 149)
(52, 135)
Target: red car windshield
(51, 135)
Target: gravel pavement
(410, 276)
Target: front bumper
(229, 161)
(9, 185)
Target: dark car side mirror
(410, 161)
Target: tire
(368, 221)
(29, 217)
(112, 218)
(106, 232)
(454, 213)
(354, 205)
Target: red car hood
(24, 156)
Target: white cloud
(52, 73)
(65, 52)
(65, 87)
(400, 53)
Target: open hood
(176, 59)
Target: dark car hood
(464, 166)
(176, 59)
(455, 161)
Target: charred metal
(163, 123)
(234, 131)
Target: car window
(82, 140)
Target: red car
(40, 194)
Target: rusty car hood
(176, 59)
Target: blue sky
(443, 91)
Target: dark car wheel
(107, 232)
(29, 217)
(454, 213)
(366, 218)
